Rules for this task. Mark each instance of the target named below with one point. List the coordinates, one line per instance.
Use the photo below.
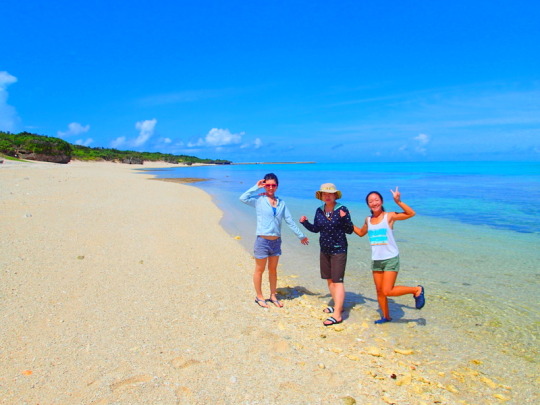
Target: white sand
(119, 290)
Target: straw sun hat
(327, 188)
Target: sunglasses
(270, 185)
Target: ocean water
(474, 243)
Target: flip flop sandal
(275, 302)
(258, 302)
(332, 320)
(329, 310)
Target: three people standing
(333, 221)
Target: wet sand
(115, 289)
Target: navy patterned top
(332, 229)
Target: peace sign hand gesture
(396, 194)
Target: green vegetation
(39, 147)
(35, 147)
(6, 157)
(87, 153)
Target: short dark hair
(271, 176)
(380, 196)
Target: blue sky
(363, 80)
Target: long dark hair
(380, 196)
(271, 176)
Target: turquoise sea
(474, 243)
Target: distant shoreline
(273, 163)
(181, 180)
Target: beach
(120, 290)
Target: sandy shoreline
(116, 289)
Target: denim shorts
(265, 248)
(391, 264)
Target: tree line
(25, 145)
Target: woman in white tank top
(384, 251)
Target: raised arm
(250, 197)
(345, 219)
(308, 225)
(407, 213)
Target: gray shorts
(391, 264)
(333, 266)
(265, 248)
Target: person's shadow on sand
(397, 313)
(351, 300)
(291, 293)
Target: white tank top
(381, 237)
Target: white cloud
(421, 142)
(222, 137)
(200, 142)
(146, 129)
(256, 144)
(74, 128)
(83, 142)
(422, 139)
(118, 142)
(164, 144)
(6, 78)
(8, 114)
(417, 146)
(217, 137)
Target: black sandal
(258, 302)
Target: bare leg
(272, 278)
(260, 265)
(378, 278)
(384, 283)
(337, 290)
(272, 273)
(388, 288)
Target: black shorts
(333, 266)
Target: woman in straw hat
(271, 211)
(332, 220)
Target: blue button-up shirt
(268, 218)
